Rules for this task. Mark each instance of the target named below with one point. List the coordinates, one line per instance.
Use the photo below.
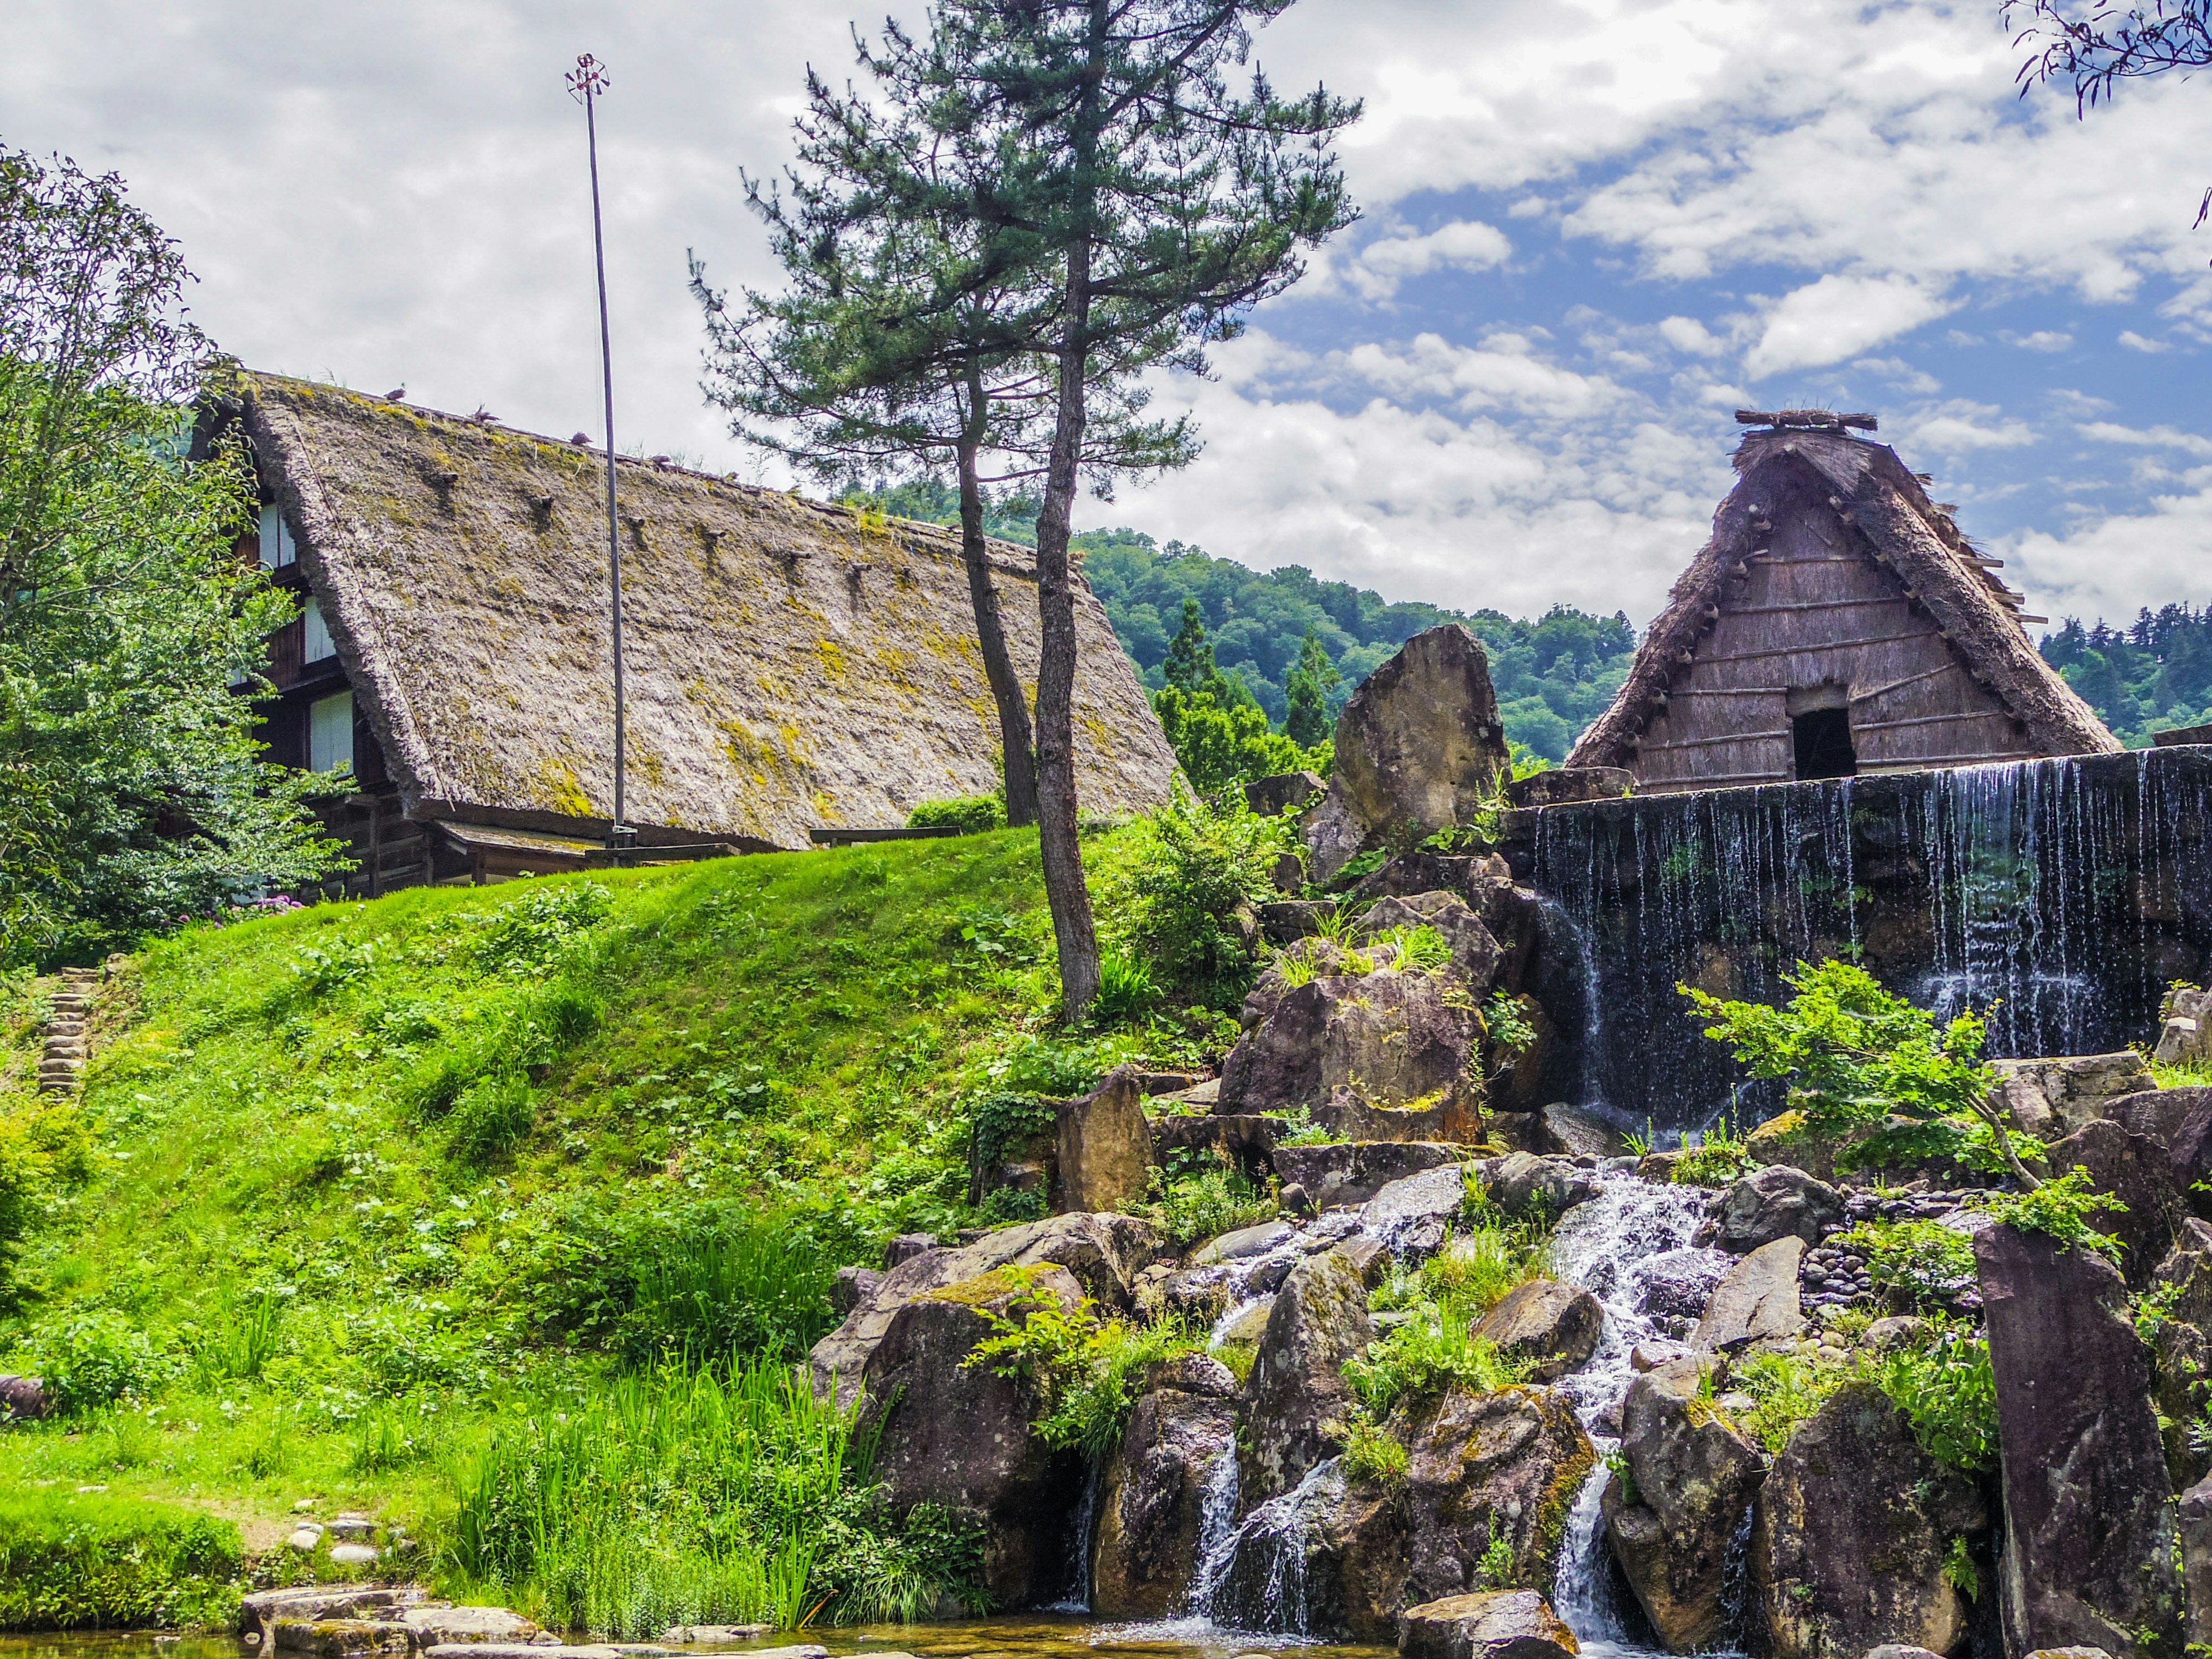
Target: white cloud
(1901, 374)
(1688, 334)
(1959, 426)
(2043, 339)
(2110, 566)
(2135, 341)
(2157, 437)
(1469, 245)
(1839, 317)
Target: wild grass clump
(1201, 1199)
(718, 1496)
(1370, 1452)
(1433, 1350)
(971, 815)
(1177, 891)
(88, 1561)
(1479, 1266)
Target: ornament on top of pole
(587, 83)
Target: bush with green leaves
(1482, 1263)
(971, 815)
(1944, 1386)
(1785, 1389)
(2060, 1208)
(1925, 1260)
(1086, 1371)
(1433, 1350)
(1181, 891)
(1370, 1452)
(93, 1356)
(1853, 1053)
(1196, 1197)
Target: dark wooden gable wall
(1814, 621)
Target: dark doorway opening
(1822, 737)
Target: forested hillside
(2144, 678)
(1553, 676)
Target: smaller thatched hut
(1837, 623)
(790, 666)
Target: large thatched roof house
(1837, 623)
(790, 666)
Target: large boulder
(960, 1436)
(2184, 1036)
(1105, 1253)
(1553, 1327)
(2180, 1121)
(1488, 1624)
(1152, 1496)
(1525, 1185)
(1319, 1321)
(1452, 1114)
(1282, 792)
(1105, 1145)
(1394, 1036)
(1506, 1465)
(2134, 1168)
(1679, 1284)
(1353, 1171)
(1419, 748)
(2181, 1350)
(2051, 1098)
(2195, 1523)
(1690, 1479)
(1411, 1217)
(1775, 1202)
(2089, 1525)
(1756, 1302)
(1474, 952)
(1850, 1531)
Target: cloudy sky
(1593, 228)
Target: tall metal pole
(588, 82)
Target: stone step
(259, 1613)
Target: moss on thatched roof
(788, 665)
(1882, 503)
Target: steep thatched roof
(1882, 510)
(788, 665)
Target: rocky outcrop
(1419, 748)
(1327, 1557)
(1691, 1477)
(1577, 1131)
(2184, 1036)
(1475, 953)
(1283, 792)
(2181, 1350)
(1105, 1253)
(1411, 1217)
(1775, 1202)
(1850, 1534)
(2089, 1556)
(2179, 1121)
(1523, 1184)
(1678, 1284)
(2135, 1170)
(2051, 1098)
(1353, 1171)
(1151, 1497)
(2196, 1525)
(960, 1436)
(1105, 1145)
(1757, 1301)
(1489, 1624)
(1452, 1114)
(1504, 1465)
(1553, 1327)
(1393, 1037)
(1319, 1321)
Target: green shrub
(522, 935)
(1200, 1202)
(489, 1117)
(971, 815)
(1183, 886)
(87, 1561)
(95, 1357)
(1126, 991)
(1946, 1388)
(1433, 1350)
(2060, 1208)
(1371, 1453)
(1477, 1268)
(1925, 1260)
(1087, 1371)
(1785, 1388)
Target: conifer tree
(1104, 136)
(1310, 681)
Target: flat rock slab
(436, 1625)
(337, 1638)
(528, 1650)
(1757, 1301)
(1491, 1624)
(717, 1633)
(1244, 1242)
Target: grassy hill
(360, 1197)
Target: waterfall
(2059, 896)
(1254, 1578)
(1613, 1246)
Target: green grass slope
(359, 1201)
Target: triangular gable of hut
(1836, 612)
(789, 666)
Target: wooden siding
(1813, 608)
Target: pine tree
(1310, 681)
(1165, 205)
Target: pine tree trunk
(1064, 887)
(1014, 739)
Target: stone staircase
(61, 1067)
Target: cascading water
(2061, 896)
(1614, 1246)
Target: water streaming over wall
(2065, 893)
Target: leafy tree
(1164, 205)
(1220, 735)
(908, 336)
(1854, 1054)
(132, 791)
(2143, 678)
(1308, 720)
